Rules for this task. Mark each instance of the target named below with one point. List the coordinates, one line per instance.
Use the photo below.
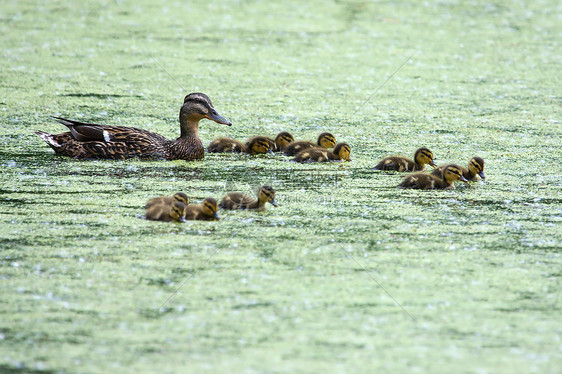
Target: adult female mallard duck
(167, 212)
(88, 140)
(423, 181)
(207, 211)
(281, 141)
(342, 151)
(475, 168)
(237, 200)
(168, 200)
(325, 140)
(421, 157)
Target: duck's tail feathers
(49, 139)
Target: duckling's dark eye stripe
(210, 207)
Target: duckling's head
(283, 139)
(453, 173)
(181, 197)
(259, 144)
(476, 166)
(326, 140)
(210, 208)
(343, 150)
(177, 211)
(197, 106)
(266, 194)
(424, 156)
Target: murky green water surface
(350, 274)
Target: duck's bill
(182, 219)
(218, 119)
(432, 163)
(270, 151)
(216, 215)
(482, 175)
(274, 203)
(463, 179)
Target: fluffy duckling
(237, 200)
(475, 167)
(222, 145)
(207, 211)
(168, 200)
(422, 181)
(167, 212)
(256, 145)
(325, 140)
(282, 140)
(341, 152)
(421, 157)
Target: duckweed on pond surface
(349, 274)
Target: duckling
(475, 167)
(93, 141)
(166, 212)
(207, 211)
(256, 145)
(237, 200)
(422, 156)
(325, 140)
(167, 200)
(222, 145)
(341, 152)
(422, 181)
(282, 140)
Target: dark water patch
(254, 305)
(23, 369)
(100, 96)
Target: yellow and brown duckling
(167, 212)
(422, 157)
(237, 200)
(325, 140)
(282, 140)
(475, 168)
(89, 140)
(341, 152)
(225, 145)
(168, 200)
(423, 181)
(257, 145)
(207, 211)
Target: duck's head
(197, 106)
(266, 194)
(210, 208)
(326, 140)
(181, 197)
(343, 150)
(453, 173)
(424, 156)
(177, 211)
(259, 144)
(283, 139)
(476, 167)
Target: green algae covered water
(349, 274)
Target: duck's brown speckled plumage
(421, 157)
(341, 152)
(238, 200)
(475, 169)
(423, 181)
(225, 145)
(325, 140)
(89, 140)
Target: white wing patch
(106, 136)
